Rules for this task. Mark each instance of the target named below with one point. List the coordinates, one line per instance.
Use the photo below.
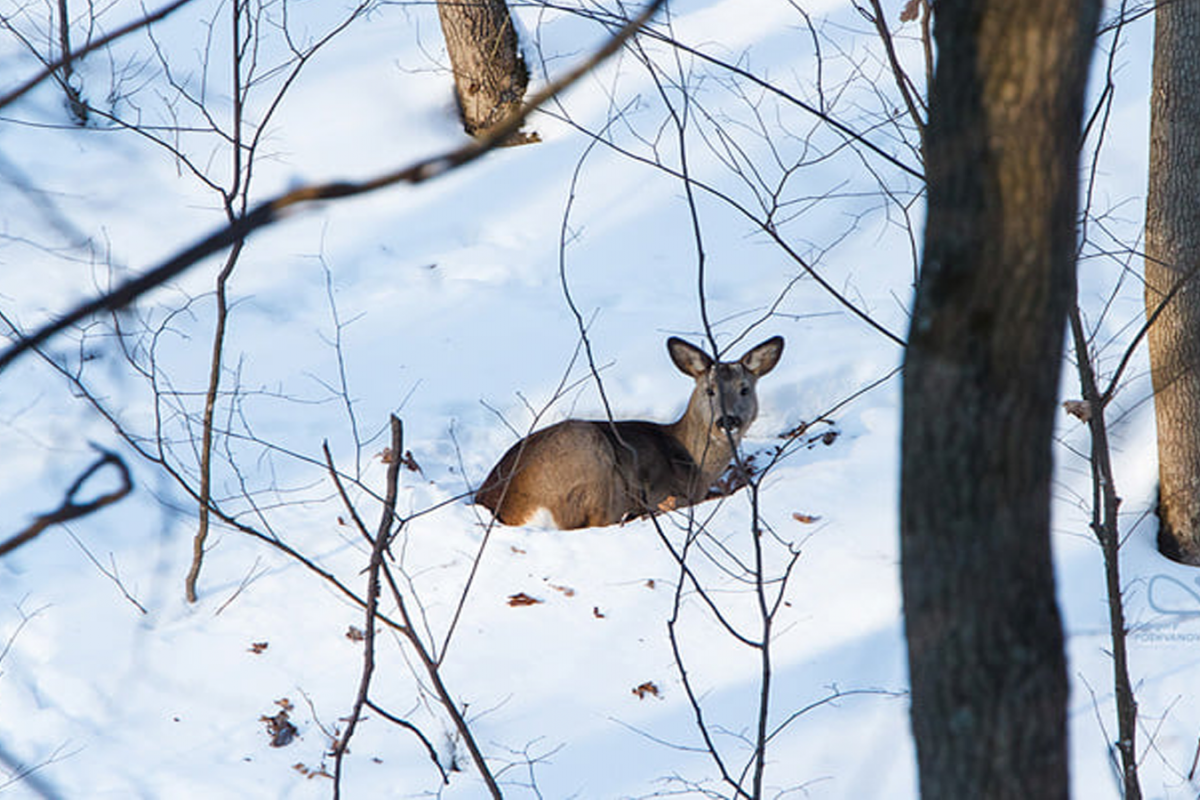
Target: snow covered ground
(445, 305)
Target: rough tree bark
(490, 75)
(1172, 261)
(985, 643)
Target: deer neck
(710, 449)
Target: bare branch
(408, 726)
(112, 573)
(383, 535)
(70, 509)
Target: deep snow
(452, 315)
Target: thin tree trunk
(1172, 257)
(986, 661)
(235, 201)
(75, 102)
(207, 430)
(1105, 507)
(490, 75)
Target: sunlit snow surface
(445, 305)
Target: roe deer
(588, 474)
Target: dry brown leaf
(522, 599)
(355, 634)
(670, 504)
(597, 613)
(911, 12)
(1080, 409)
(311, 773)
(646, 689)
(567, 591)
(807, 519)
(735, 476)
(258, 647)
(796, 432)
(650, 583)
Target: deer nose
(729, 422)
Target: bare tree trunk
(490, 75)
(986, 661)
(1172, 259)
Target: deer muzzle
(729, 422)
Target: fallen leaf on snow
(280, 728)
(311, 773)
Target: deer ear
(690, 359)
(762, 359)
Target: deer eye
(745, 391)
(710, 391)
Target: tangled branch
(271, 211)
(52, 67)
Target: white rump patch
(541, 519)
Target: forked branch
(71, 508)
(383, 535)
(378, 569)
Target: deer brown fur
(593, 473)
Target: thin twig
(249, 578)
(408, 726)
(689, 689)
(433, 671)
(112, 574)
(897, 69)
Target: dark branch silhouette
(71, 508)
